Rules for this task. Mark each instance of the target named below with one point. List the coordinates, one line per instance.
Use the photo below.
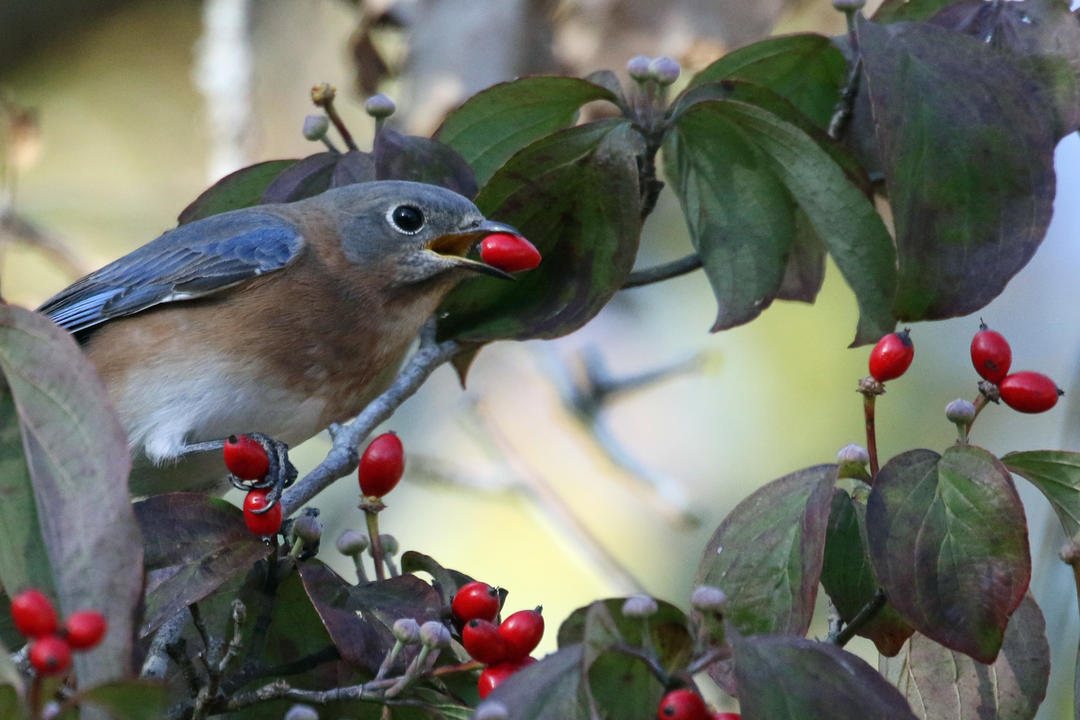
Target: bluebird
(276, 319)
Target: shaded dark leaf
(353, 167)
(610, 82)
(546, 690)
(446, 581)
(967, 152)
(949, 545)
(128, 699)
(786, 678)
(358, 618)
(10, 706)
(494, 124)
(420, 159)
(942, 684)
(740, 171)
(849, 578)
(575, 195)
(805, 271)
(1042, 36)
(76, 449)
(667, 629)
(740, 215)
(1057, 475)
(623, 687)
(24, 562)
(194, 543)
(304, 179)
(804, 68)
(767, 553)
(236, 190)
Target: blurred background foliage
(114, 115)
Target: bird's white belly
(198, 399)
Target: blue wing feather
(193, 260)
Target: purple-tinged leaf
(786, 678)
(967, 148)
(445, 580)
(942, 684)
(547, 690)
(1041, 36)
(353, 167)
(949, 544)
(359, 618)
(303, 179)
(767, 553)
(494, 124)
(77, 454)
(194, 544)
(236, 190)
(848, 576)
(420, 159)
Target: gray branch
(342, 458)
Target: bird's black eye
(407, 218)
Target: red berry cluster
(505, 647)
(246, 458)
(1026, 391)
(685, 704)
(511, 253)
(892, 356)
(51, 645)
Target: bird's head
(412, 232)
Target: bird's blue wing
(191, 261)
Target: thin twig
(342, 458)
(666, 271)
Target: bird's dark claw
(282, 472)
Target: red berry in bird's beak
(510, 253)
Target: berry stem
(871, 434)
(979, 403)
(372, 519)
(34, 699)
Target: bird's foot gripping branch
(243, 619)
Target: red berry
(684, 704)
(382, 465)
(267, 523)
(511, 253)
(892, 356)
(50, 655)
(483, 641)
(246, 457)
(522, 632)
(991, 354)
(85, 629)
(1029, 392)
(475, 600)
(494, 675)
(33, 613)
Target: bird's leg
(280, 475)
(282, 472)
